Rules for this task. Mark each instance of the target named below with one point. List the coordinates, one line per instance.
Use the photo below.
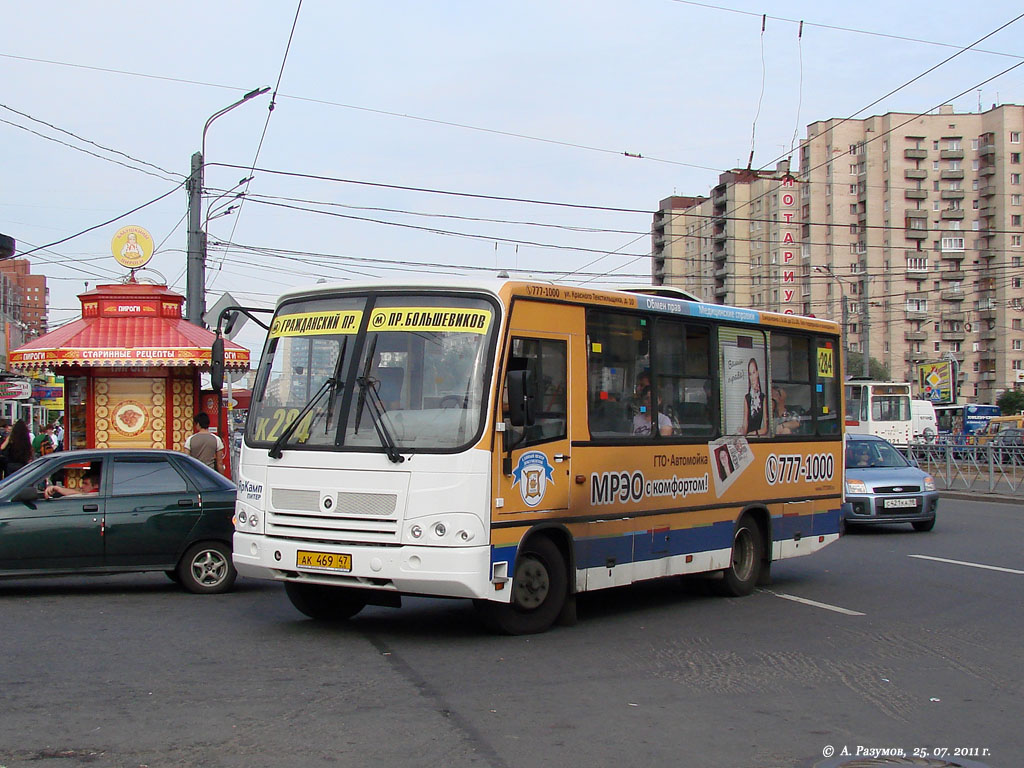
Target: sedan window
(132, 476)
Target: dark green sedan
(114, 511)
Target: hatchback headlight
(929, 483)
(856, 486)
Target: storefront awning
(129, 325)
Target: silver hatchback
(883, 487)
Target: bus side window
(547, 361)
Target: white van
(923, 422)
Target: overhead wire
(90, 141)
(103, 223)
(266, 126)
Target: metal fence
(982, 468)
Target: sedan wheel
(206, 568)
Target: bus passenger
(642, 421)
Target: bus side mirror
(522, 398)
(217, 365)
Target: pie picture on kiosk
(130, 418)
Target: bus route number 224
(796, 468)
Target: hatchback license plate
(331, 561)
(899, 503)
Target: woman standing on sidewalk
(17, 448)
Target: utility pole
(195, 290)
(865, 325)
(846, 326)
(846, 315)
(195, 293)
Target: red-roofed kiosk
(131, 368)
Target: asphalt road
(896, 651)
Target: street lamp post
(195, 290)
(846, 315)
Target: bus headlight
(248, 519)
(856, 486)
(929, 483)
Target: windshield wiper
(336, 389)
(368, 396)
(275, 449)
(362, 390)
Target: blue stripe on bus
(639, 546)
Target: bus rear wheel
(540, 587)
(745, 564)
(324, 603)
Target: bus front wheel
(745, 563)
(324, 603)
(539, 590)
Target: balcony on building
(720, 237)
(722, 272)
(987, 313)
(950, 274)
(950, 174)
(989, 334)
(916, 357)
(953, 316)
(917, 274)
(952, 213)
(987, 150)
(915, 173)
(988, 375)
(721, 291)
(915, 336)
(956, 255)
(988, 190)
(915, 314)
(952, 154)
(915, 154)
(987, 210)
(987, 170)
(952, 294)
(915, 194)
(916, 234)
(953, 194)
(950, 335)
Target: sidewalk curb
(963, 495)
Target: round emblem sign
(132, 247)
(129, 418)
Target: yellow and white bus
(519, 443)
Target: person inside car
(90, 487)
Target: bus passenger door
(533, 460)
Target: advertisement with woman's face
(746, 405)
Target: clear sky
(529, 100)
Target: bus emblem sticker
(533, 473)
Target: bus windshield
(406, 372)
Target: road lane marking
(815, 603)
(971, 565)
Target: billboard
(936, 381)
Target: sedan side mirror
(27, 495)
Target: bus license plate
(899, 503)
(331, 561)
